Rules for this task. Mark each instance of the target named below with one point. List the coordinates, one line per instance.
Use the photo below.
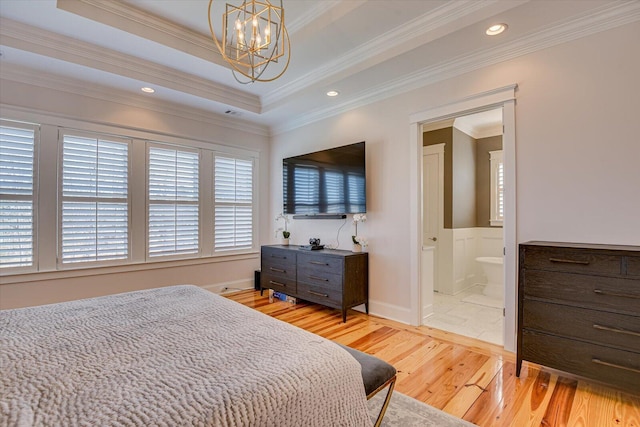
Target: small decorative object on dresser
(334, 278)
(285, 233)
(358, 241)
(579, 310)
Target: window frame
(496, 160)
(254, 202)
(46, 205)
(60, 265)
(34, 196)
(200, 204)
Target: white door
(431, 200)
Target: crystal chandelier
(254, 39)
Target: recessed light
(148, 89)
(496, 29)
(333, 93)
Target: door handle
(435, 239)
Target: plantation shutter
(95, 199)
(173, 202)
(233, 203)
(500, 191)
(497, 188)
(17, 146)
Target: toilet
(493, 270)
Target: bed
(171, 356)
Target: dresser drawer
(633, 266)
(320, 263)
(278, 256)
(571, 261)
(600, 293)
(287, 286)
(617, 367)
(328, 296)
(599, 327)
(322, 271)
(279, 263)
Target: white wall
(578, 178)
(41, 105)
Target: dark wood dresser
(334, 278)
(579, 310)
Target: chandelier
(254, 39)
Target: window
(497, 188)
(17, 194)
(94, 220)
(173, 202)
(233, 203)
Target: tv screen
(325, 182)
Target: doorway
(503, 98)
(465, 233)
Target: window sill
(7, 279)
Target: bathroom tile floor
(452, 314)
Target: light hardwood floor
(465, 377)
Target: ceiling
(365, 49)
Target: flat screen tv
(327, 182)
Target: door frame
(503, 97)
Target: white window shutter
(233, 203)
(95, 200)
(17, 147)
(173, 202)
(497, 188)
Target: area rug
(404, 411)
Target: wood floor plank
(534, 402)
(451, 381)
(466, 377)
(559, 407)
(473, 388)
(596, 405)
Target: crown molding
(317, 9)
(32, 39)
(132, 20)
(36, 78)
(383, 47)
(606, 17)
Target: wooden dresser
(334, 278)
(579, 310)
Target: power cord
(337, 245)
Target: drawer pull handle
(279, 257)
(318, 278)
(318, 263)
(617, 330)
(615, 294)
(568, 261)
(277, 283)
(319, 294)
(613, 365)
(277, 269)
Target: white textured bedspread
(175, 356)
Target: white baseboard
(388, 311)
(232, 286)
(429, 310)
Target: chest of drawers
(334, 278)
(579, 310)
